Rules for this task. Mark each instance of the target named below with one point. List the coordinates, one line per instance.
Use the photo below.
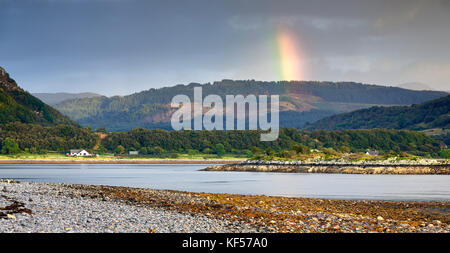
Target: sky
(119, 47)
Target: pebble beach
(64, 208)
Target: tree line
(33, 138)
(39, 139)
(237, 141)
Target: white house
(369, 152)
(79, 152)
(134, 153)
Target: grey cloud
(123, 46)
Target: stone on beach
(42, 207)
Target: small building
(133, 152)
(370, 152)
(79, 152)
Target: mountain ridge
(17, 105)
(312, 100)
(414, 86)
(430, 114)
(58, 97)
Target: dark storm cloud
(123, 46)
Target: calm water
(188, 178)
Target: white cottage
(79, 152)
(370, 152)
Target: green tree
(344, 149)
(10, 146)
(101, 130)
(329, 151)
(220, 149)
(120, 149)
(101, 150)
(143, 151)
(301, 149)
(158, 150)
(445, 153)
(192, 152)
(207, 151)
(255, 150)
(43, 151)
(269, 151)
(287, 153)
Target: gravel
(44, 207)
(55, 208)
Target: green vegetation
(28, 126)
(119, 150)
(220, 149)
(10, 147)
(37, 139)
(445, 153)
(17, 105)
(247, 142)
(20, 106)
(432, 117)
(431, 114)
(301, 102)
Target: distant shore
(119, 161)
(62, 208)
(337, 168)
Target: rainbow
(290, 65)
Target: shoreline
(48, 207)
(388, 169)
(119, 161)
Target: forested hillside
(29, 125)
(17, 105)
(241, 141)
(301, 102)
(431, 114)
(33, 138)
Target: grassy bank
(58, 156)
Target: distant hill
(301, 102)
(17, 105)
(55, 98)
(415, 86)
(428, 115)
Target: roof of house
(77, 150)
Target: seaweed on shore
(286, 214)
(14, 208)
